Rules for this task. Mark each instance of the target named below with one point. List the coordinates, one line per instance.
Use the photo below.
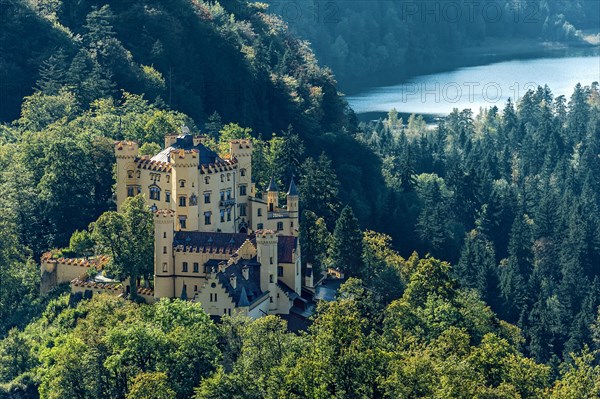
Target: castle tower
(272, 195)
(241, 151)
(266, 251)
(184, 186)
(293, 208)
(164, 280)
(127, 173)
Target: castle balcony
(227, 202)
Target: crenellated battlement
(126, 149)
(185, 158)
(164, 216)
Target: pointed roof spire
(292, 190)
(243, 298)
(272, 185)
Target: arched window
(228, 176)
(207, 179)
(168, 178)
(130, 174)
(139, 174)
(154, 193)
(222, 178)
(242, 172)
(182, 183)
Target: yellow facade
(215, 241)
(210, 225)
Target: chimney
(246, 272)
(233, 280)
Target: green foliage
(370, 42)
(346, 245)
(509, 199)
(319, 188)
(151, 386)
(128, 238)
(149, 149)
(315, 240)
(81, 243)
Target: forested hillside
(486, 283)
(512, 198)
(376, 42)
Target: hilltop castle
(215, 240)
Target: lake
(479, 86)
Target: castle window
(165, 234)
(228, 176)
(130, 174)
(229, 214)
(222, 195)
(164, 267)
(211, 297)
(195, 288)
(182, 201)
(242, 190)
(228, 194)
(167, 196)
(139, 174)
(184, 267)
(242, 209)
(207, 179)
(279, 226)
(259, 226)
(292, 225)
(131, 191)
(242, 172)
(222, 178)
(181, 183)
(207, 217)
(207, 198)
(155, 193)
(168, 178)
(182, 222)
(271, 260)
(193, 200)
(196, 267)
(259, 212)
(164, 250)
(222, 212)
(279, 271)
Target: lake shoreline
(488, 52)
(476, 87)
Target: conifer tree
(319, 189)
(346, 245)
(53, 73)
(516, 270)
(315, 240)
(477, 267)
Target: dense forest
(472, 247)
(366, 42)
(512, 198)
